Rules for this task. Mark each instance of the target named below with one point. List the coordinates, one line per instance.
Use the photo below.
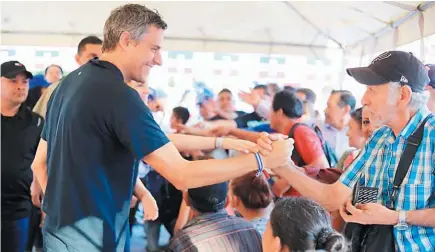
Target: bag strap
(412, 144)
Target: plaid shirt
(378, 162)
(217, 232)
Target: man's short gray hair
(418, 100)
(132, 18)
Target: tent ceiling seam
(400, 5)
(420, 8)
(312, 24)
(369, 15)
(209, 40)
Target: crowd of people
(82, 152)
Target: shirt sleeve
(133, 124)
(308, 144)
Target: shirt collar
(414, 122)
(22, 112)
(107, 65)
(207, 216)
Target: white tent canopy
(257, 27)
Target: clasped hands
(275, 149)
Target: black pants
(34, 234)
(14, 234)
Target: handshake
(275, 149)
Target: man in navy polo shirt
(98, 129)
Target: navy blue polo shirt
(97, 129)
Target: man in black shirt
(97, 131)
(20, 129)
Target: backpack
(330, 154)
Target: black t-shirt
(242, 121)
(97, 129)
(218, 117)
(19, 139)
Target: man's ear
(125, 40)
(77, 58)
(405, 95)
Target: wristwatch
(401, 224)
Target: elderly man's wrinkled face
(381, 103)
(368, 127)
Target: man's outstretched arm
(197, 143)
(191, 174)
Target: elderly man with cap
(211, 228)
(431, 87)
(395, 96)
(20, 132)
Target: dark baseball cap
(208, 199)
(393, 66)
(11, 69)
(431, 73)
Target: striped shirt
(216, 232)
(378, 162)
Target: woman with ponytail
(300, 224)
(250, 196)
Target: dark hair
(301, 224)
(225, 90)
(309, 94)
(132, 18)
(262, 87)
(208, 199)
(290, 104)
(53, 65)
(89, 40)
(253, 191)
(290, 89)
(346, 98)
(357, 115)
(181, 113)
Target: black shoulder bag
(376, 238)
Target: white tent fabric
(270, 27)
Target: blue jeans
(14, 235)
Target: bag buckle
(393, 196)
